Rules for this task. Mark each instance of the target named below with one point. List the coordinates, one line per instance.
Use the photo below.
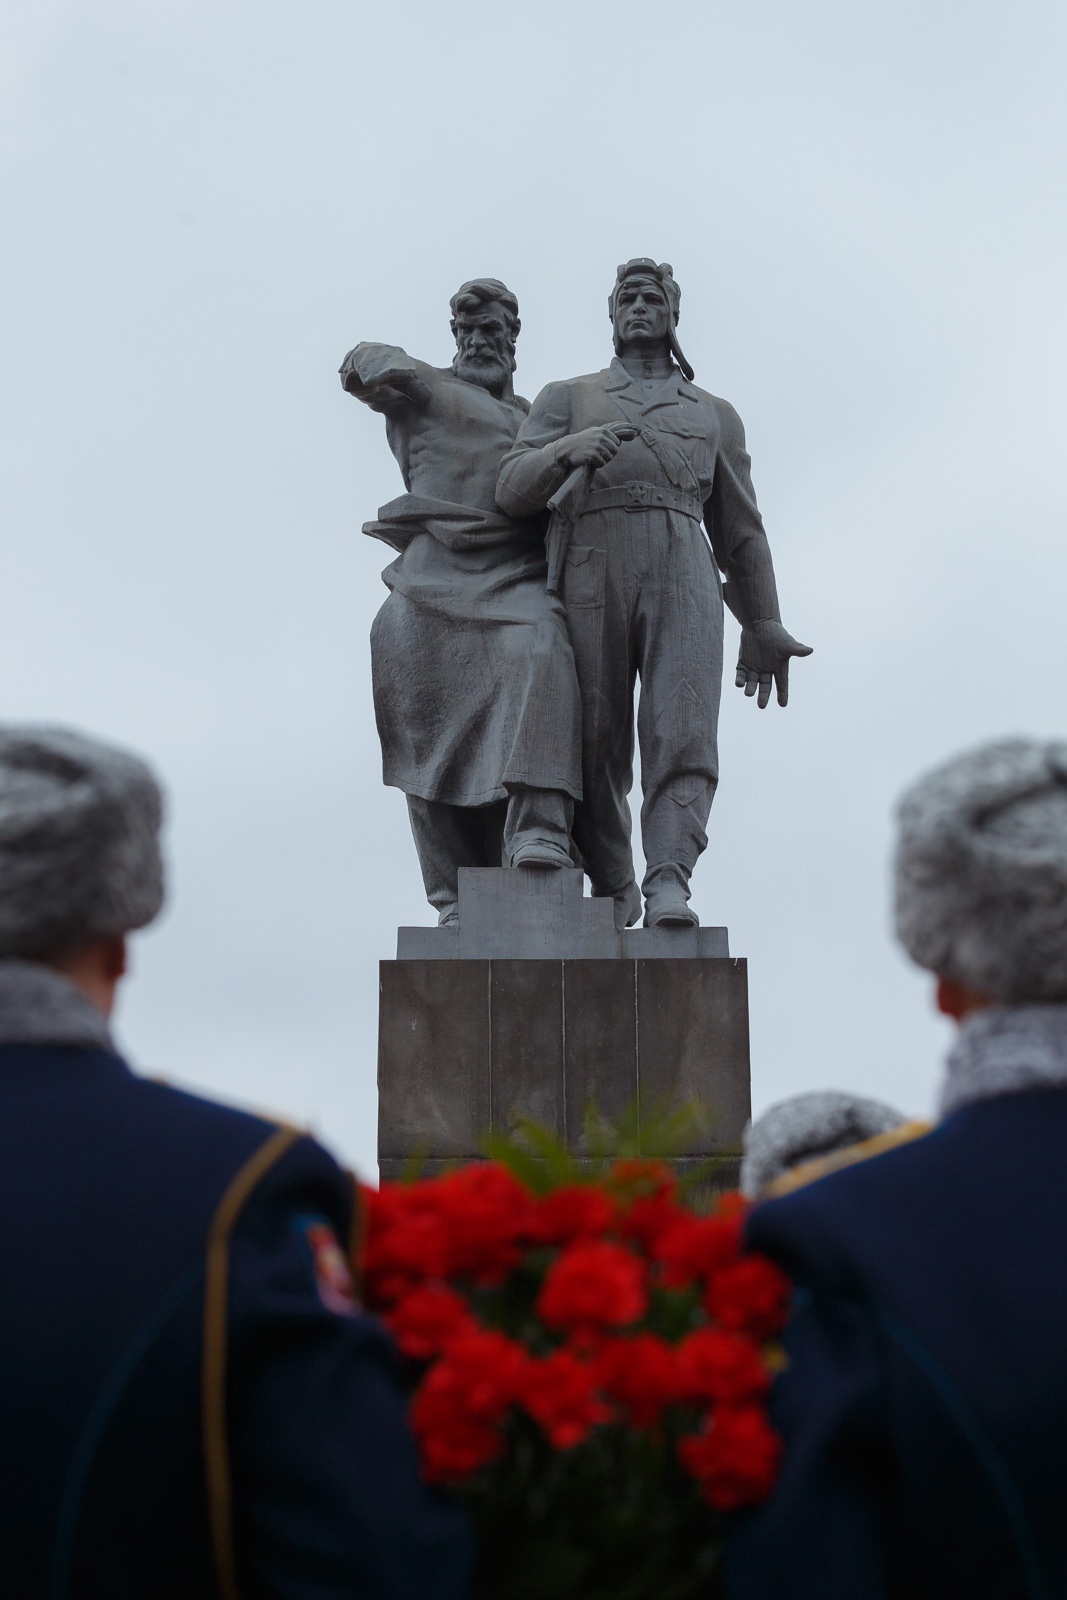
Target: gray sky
(206, 204)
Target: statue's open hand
(765, 653)
(363, 370)
(594, 447)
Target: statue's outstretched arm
(741, 550)
(385, 377)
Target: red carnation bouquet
(589, 1360)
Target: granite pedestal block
(536, 1006)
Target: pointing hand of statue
(765, 652)
(594, 447)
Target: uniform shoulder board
(806, 1172)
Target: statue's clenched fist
(385, 371)
(594, 447)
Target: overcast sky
(205, 203)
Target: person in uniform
(193, 1404)
(655, 455)
(475, 693)
(923, 1403)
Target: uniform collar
(37, 1006)
(1006, 1050)
(617, 381)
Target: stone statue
(475, 692)
(630, 460)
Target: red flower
(577, 1211)
(641, 1374)
(560, 1393)
(751, 1296)
(716, 1365)
(486, 1210)
(642, 1175)
(407, 1240)
(593, 1285)
(452, 1445)
(461, 1403)
(735, 1459)
(425, 1320)
(648, 1191)
(489, 1367)
(692, 1248)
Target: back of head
(79, 841)
(981, 870)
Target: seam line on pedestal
(637, 1057)
(563, 1051)
(489, 1037)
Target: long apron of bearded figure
(475, 692)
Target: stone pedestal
(536, 1005)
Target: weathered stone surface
(465, 1045)
(433, 1058)
(526, 1043)
(692, 1042)
(600, 1041)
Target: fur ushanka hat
(807, 1126)
(79, 841)
(981, 870)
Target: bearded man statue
(475, 692)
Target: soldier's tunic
(643, 599)
(191, 1404)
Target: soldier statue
(630, 461)
(475, 691)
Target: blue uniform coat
(925, 1406)
(189, 1405)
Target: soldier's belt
(642, 497)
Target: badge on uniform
(333, 1278)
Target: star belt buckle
(639, 494)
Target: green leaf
(413, 1169)
(535, 1154)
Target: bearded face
(485, 348)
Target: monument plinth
(536, 1005)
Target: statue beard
(490, 369)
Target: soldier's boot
(667, 898)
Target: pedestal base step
(541, 914)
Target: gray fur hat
(79, 841)
(807, 1126)
(981, 870)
